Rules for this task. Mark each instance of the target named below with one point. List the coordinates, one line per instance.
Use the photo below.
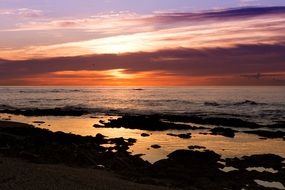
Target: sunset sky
(142, 43)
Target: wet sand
(17, 174)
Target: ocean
(263, 105)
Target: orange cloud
(121, 77)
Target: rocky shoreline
(193, 168)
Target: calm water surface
(259, 104)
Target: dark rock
(204, 133)
(152, 123)
(155, 146)
(131, 141)
(279, 125)
(102, 122)
(211, 104)
(263, 160)
(39, 122)
(46, 147)
(145, 135)
(227, 132)
(182, 169)
(219, 121)
(65, 111)
(267, 134)
(186, 168)
(182, 136)
(263, 138)
(99, 137)
(196, 147)
(246, 102)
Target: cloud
(132, 19)
(259, 76)
(211, 66)
(22, 12)
(127, 32)
(221, 47)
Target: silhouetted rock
(211, 104)
(223, 131)
(66, 111)
(280, 125)
(100, 137)
(220, 121)
(152, 123)
(145, 135)
(38, 122)
(263, 160)
(155, 146)
(182, 169)
(131, 140)
(246, 102)
(182, 136)
(196, 147)
(267, 134)
(43, 146)
(186, 168)
(138, 89)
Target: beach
(146, 95)
(21, 174)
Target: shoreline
(186, 169)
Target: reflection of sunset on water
(242, 144)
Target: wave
(211, 104)
(247, 102)
(208, 118)
(4, 106)
(242, 103)
(50, 91)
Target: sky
(147, 43)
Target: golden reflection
(246, 144)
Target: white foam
(262, 169)
(268, 184)
(228, 169)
